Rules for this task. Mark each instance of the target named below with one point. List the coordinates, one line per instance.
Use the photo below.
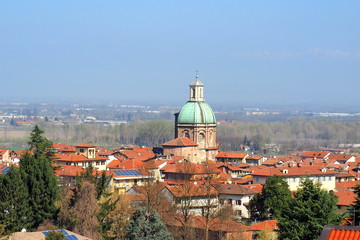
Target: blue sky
(280, 52)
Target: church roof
(180, 142)
(196, 112)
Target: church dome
(196, 112)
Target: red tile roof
(230, 155)
(340, 233)
(234, 189)
(85, 146)
(294, 171)
(76, 158)
(255, 187)
(180, 142)
(2, 151)
(345, 198)
(268, 225)
(341, 157)
(312, 154)
(192, 190)
(70, 170)
(215, 224)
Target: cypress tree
(14, 204)
(39, 177)
(355, 208)
(146, 225)
(312, 208)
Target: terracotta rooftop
(85, 146)
(191, 190)
(269, 225)
(340, 233)
(76, 158)
(294, 171)
(231, 155)
(312, 154)
(234, 189)
(180, 142)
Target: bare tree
(86, 209)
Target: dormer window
(285, 171)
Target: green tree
(146, 225)
(355, 208)
(54, 235)
(39, 177)
(312, 208)
(274, 197)
(14, 202)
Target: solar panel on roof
(46, 233)
(5, 170)
(127, 172)
(72, 237)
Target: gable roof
(234, 189)
(76, 158)
(268, 225)
(340, 233)
(231, 155)
(180, 142)
(313, 154)
(294, 171)
(192, 190)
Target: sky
(246, 51)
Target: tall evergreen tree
(312, 208)
(14, 202)
(355, 208)
(146, 225)
(39, 177)
(275, 196)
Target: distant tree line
(294, 134)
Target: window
(294, 179)
(201, 137)
(230, 201)
(222, 201)
(81, 150)
(187, 135)
(238, 213)
(238, 202)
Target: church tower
(196, 121)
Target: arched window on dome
(187, 135)
(201, 140)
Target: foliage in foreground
(146, 225)
(29, 193)
(311, 209)
(273, 199)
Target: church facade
(195, 128)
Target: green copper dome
(196, 112)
